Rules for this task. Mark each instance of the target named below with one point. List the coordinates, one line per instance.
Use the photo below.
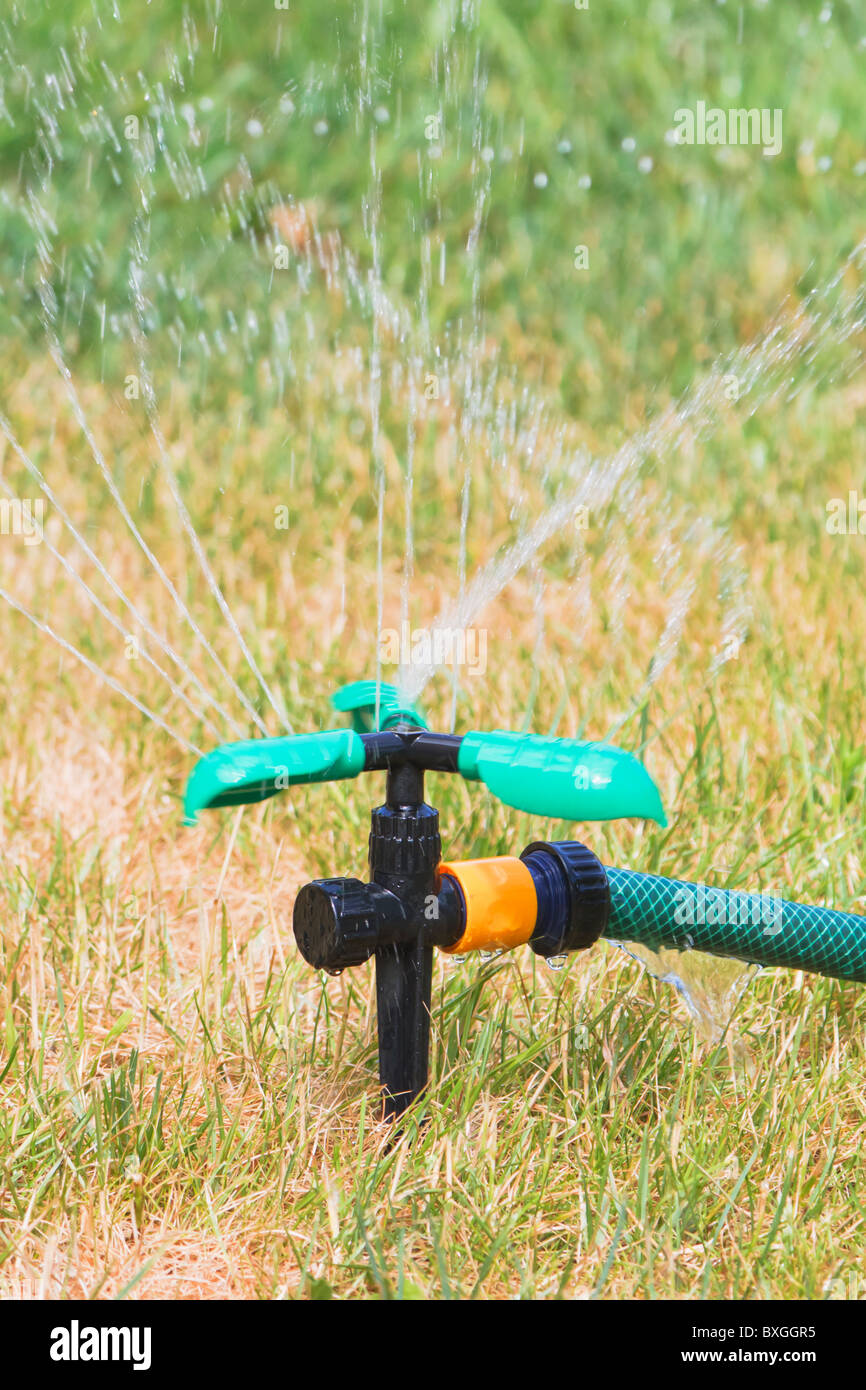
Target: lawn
(318, 277)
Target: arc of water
(60, 363)
(45, 297)
(34, 472)
(772, 349)
(98, 671)
(136, 276)
(118, 625)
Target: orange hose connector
(501, 903)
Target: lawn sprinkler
(557, 897)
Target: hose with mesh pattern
(757, 927)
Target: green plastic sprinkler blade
(560, 777)
(237, 773)
(359, 700)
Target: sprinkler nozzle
(341, 922)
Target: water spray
(556, 897)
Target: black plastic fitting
(339, 922)
(573, 896)
(398, 917)
(386, 749)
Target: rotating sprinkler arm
(565, 778)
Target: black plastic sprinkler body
(413, 904)
(556, 898)
(398, 916)
(410, 906)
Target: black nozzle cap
(339, 922)
(573, 896)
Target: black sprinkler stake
(405, 850)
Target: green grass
(185, 1109)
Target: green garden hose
(757, 927)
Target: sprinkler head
(565, 778)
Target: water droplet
(564, 147)
(255, 128)
(320, 128)
(488, 154)
(382, 115)
(540, 180)
(629, 144)
(645, 164)
(584, 181)
(454, 960)
(556, 962)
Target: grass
(185, 1109)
